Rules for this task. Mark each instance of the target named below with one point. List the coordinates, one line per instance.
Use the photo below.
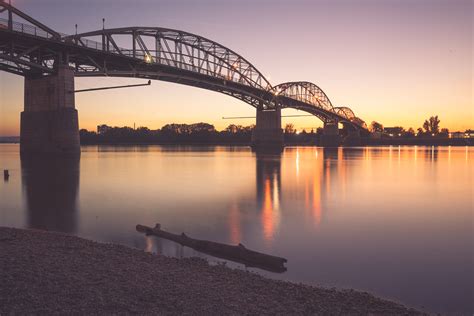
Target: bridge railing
(91, 44)
(151, 57)
(25, 29)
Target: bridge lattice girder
(315, 101)
(345, 111)
(306, 92)
(349, 114)
(172, 48)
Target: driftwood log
(238, 253)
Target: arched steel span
(312, 99)
(152, 53)
(345, 111)
(349, 114)
(306, 92)
(175, 56)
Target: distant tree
(142, 133)
(290, 129)
(232, 128)
(102, 129)
(201, 127)
(432, 125)
(398, 130)
(239, 129)
(86, 133)
(249, 128)
(409, 133)
(376, 127)
(444, 132)
(142, 130)
(419, 132)
(303, 132)
(87, 137)
(171, 129)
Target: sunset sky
(393, 61)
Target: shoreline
(49, 272)
(436, 142)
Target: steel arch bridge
(32, 49)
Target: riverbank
(53, 273)
(366, 142)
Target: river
(393, 221)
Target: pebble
(53, 273)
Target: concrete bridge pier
(352, 138)
(49, 122)
(330, 137)
(268, 135)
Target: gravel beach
(53, 273)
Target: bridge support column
(352, 138)
(330, 137)
(49, 122)
(268, 135)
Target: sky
(397, 62)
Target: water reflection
(396, 222)
(50, 188)
(268, 193)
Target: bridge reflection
(308, 185)
(50, 187)
(268, 187)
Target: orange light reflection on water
(270, 209)
(267, 214)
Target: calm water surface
(393, 221)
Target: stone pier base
(352, 138)
(330, 137)
(50, 132)
(268, 135)
(49, 123)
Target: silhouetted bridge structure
(49, 61)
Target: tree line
(430, 128)
(170, 133)
(186, 134)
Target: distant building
(469, 133)
(393, 131)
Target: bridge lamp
(148, 59)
